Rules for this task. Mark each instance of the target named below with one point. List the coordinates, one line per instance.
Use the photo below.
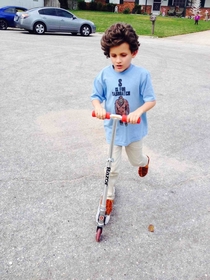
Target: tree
(64, 4)
(196, 6)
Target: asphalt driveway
(53, 154)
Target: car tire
(85, 30)
(39, 28)
(3, 24)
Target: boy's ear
(134, 53)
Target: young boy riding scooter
(124, 89)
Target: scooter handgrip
(124, 119)
(106, 117)
(93, 114)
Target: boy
(125, 89)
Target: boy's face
(121, 57)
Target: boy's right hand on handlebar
(100, 113)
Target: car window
(19, 10)
(49, 12)
(10, 10)
(61, 13)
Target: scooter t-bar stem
(122, 118)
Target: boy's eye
(122, 55)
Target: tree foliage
(64, 4)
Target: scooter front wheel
(98, 233)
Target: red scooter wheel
(98, 234)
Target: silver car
(51, 19)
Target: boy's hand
(133, 117)
(100, 113)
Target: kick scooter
(101, 214)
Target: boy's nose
(118, 59)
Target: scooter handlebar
(122, 118)
(106, 117)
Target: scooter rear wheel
(98, 234)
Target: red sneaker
(109, 204)
(143, 170)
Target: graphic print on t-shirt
(121, 104)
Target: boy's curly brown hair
(118, 34)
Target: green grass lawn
(164, 26)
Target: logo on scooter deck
(108, 169)
(101, 218)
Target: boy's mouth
(118, 67)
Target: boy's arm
(100, 112)
(133, 116)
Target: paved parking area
(53, 154)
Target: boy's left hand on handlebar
(133, 117)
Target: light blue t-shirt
(122, 93)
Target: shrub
(82, 5)
(136, 9)
(104, 8)
(99, 6)
(93, 6)
(110, 7)
(126, 11)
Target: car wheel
(85, 30)
(3, 24)
(39, 28)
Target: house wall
(207, 4)
(201, 13)
(163, 9)
(51, 3)
(126, 5)
(23, 3)
(188, 12)
(148, 4)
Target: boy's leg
(115, 167)
(137, 158)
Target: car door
(68, 23)
(49, 17)
(9, 15)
